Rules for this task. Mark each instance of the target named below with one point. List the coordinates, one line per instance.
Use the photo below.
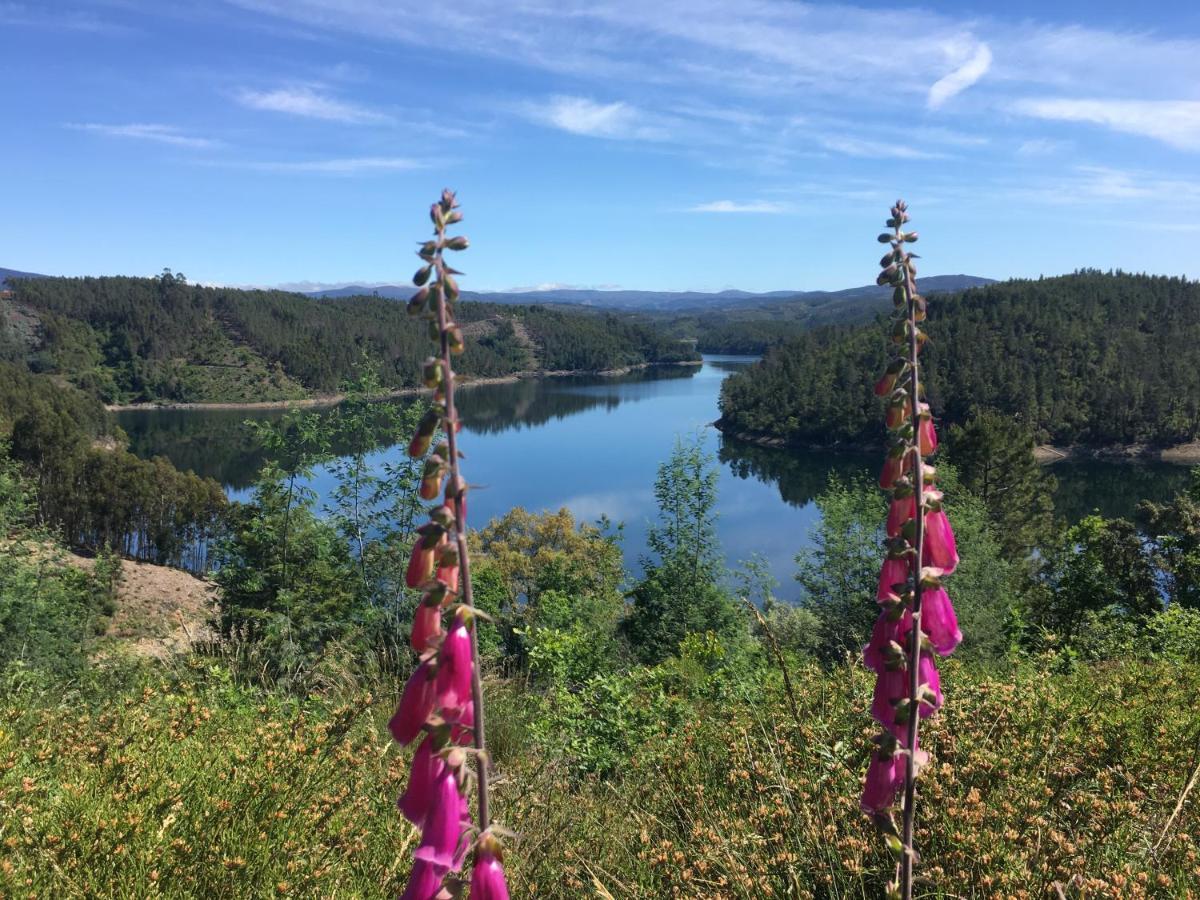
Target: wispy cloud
(21, 14)
(310, 103)
(734, 206)
(852, 146)
(1174, 122)
(961, 78)
(356, 165)
(1040, 147)
(144, 131)
(580, 115)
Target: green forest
(1090, 358)
(133, 340)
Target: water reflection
(593, 445)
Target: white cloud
(961, 78)
(145, 131)
(734, 206)
(1040, 147)
(579, 115)
(1174, 122)
(309, 103)
(357, 165)
(851, 146)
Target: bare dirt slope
(160, 611)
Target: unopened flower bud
(459, 242)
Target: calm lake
(593, 444)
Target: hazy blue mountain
(6, 274)
(678, 301)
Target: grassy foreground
(190, 786)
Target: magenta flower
(426, 768)
(462, 722)
(940, 550)
(891, 686)
(939, 621)
(420, 564)
(442, 843)
(886, 630)
(416, 704)
(899, 512)
(454, 666)
(426, 626)
(894, 572)
(487, 878)
(424, 883)
(927, 435)
(885, 778)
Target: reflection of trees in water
(212, 443)
(800, 474)
(216, 443)
(493, 408)
(1113, 488)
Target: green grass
(190, 786)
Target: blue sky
(675, 144)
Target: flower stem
(914, 650)
(483, 761)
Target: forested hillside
(1089, 358)
(151, 339)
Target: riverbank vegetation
(647, 743)
(132, 340)
(1091, 358)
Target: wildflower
(487, 876)
(426, 768)
(442, 842)
(885, 778)
(455, 664)
(425, 882)
(416, 704)
(426, 626)
(893, 574)
(420, 564)
(940, 548)
(939, 621)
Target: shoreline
(1047, 454)
(326, 400)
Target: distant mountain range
(672, 301)
(6, 274)
(654, 301)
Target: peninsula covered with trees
(1089, 358)
(134, 340)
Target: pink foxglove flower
(939, 621)
(426, 626)
(443, 842)
(940, 549)
(885, 778)
(927, 434)
(487, 877)
(424, 883)
(455, 665)
(894, 572)
(887, 630)
(426, 768)
(416, 704)
(420, 564)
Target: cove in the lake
(593, 444)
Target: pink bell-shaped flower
(894, 572)
(940, 550)
(416, 704)
(939, 621)
(455, 665)
(426, 626)
(442, 842)
(487, 876)
(885, 778)
(425, 882)
(426, 768)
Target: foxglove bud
(416, 704)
